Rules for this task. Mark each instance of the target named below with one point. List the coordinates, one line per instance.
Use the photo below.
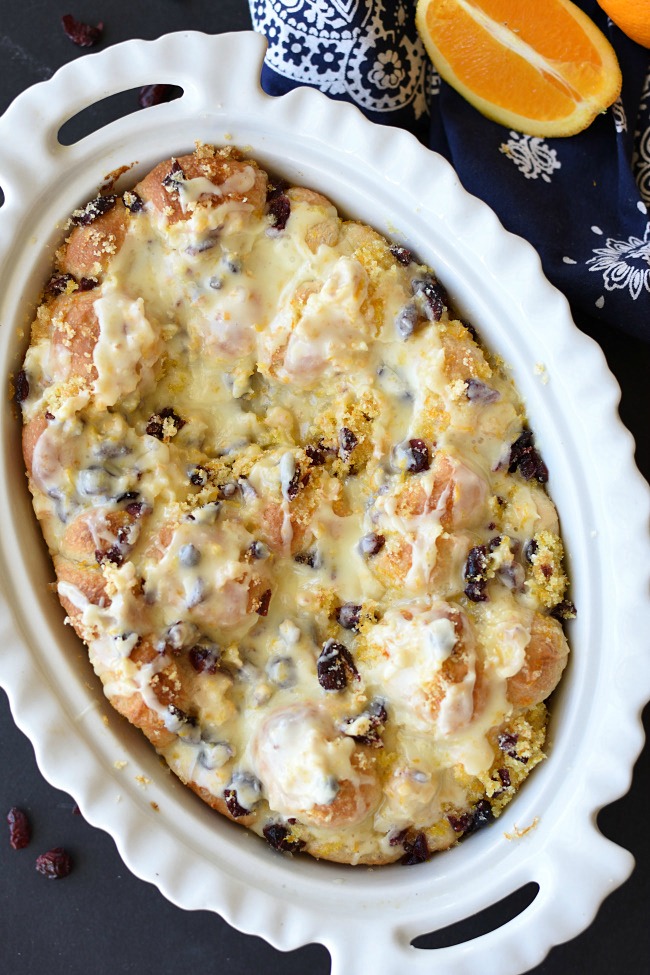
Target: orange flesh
(492, 70)
(554, 33)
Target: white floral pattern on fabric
(531, 155)
(433, 81)
(620, 118)
(368, 50)
(641, 155)
(624, 264)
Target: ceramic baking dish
(366, 918)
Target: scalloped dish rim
(197, 860)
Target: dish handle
(193, 61)
(516, 946)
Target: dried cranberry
(470, 328)
(55, 864)
(19, 829)
(311, 558)
(199, 476)
(189, 556)
(401, 254)
(293, 486)
(247, 490)
(512, 576)
(347, 442)
(348, 616)
(157, 94)
(377, 717)
(263, 605)
(127, 496)
(93, 210)
(279, 837)
(564, 611)
(530, 549)
(279, 210)
(460, 824)
(525, 458)
(232, 803)
(83, 35)
(181, 715)
(476, 818)
(113, 555)
(88, 284)
(407, 321)
(136, 508)
(156, 425)
(258, 550)
(504, 775)
(482, 815)
(507, 743)
(479, 392)
(371, 544)
(432, 296)
(204, 659)
(475, 574)
(58, 283)
(418, 458)
(174, 177)
(531, 466)
(318, 453)
(276, 187)
(21, 386)
(132, 202)
(335, 666)
(416, 851)
(397, 839)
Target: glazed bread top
(295, 512)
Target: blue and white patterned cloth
(582, 202)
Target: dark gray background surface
(103, 921)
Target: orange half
(540, 67)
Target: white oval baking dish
(366, 918)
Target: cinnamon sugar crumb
(518, 833)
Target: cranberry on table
(81, 34)
(19, 829)
(55, 864)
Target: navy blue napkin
(581, 201)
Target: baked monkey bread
(295, 511)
